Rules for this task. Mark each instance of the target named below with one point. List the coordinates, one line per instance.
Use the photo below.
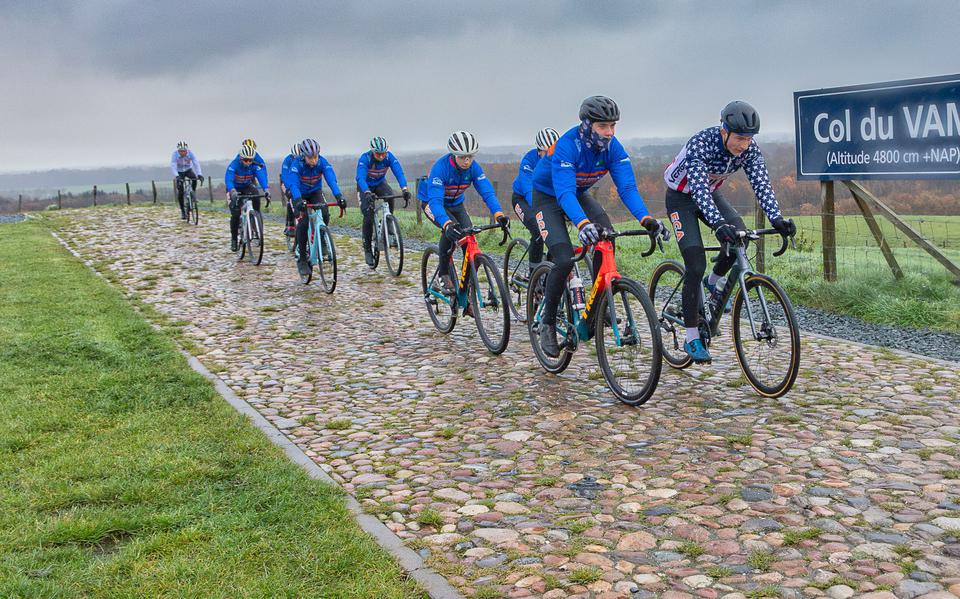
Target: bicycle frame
(471, 249)
(315, 217)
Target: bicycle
(629, 355)
(516, 274)
(388, 235)
(770, 326)
(251, 230)
(323, 253)
(189, 200)
(480, 290)
(291, 239)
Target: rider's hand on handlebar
(406, 197)
(785, 227)
(201, 179)
(656, 227)
(341, 203)
(726, 233)
(588, 234)
(503, 221)
(453, 231)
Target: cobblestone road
(516, 483)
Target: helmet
(295, 149)
(250, 142)
(247, 152)
(546, 138)
(309, 147)
(378, 145)
(182, 145)
(599, 109)
(462, 143)
(740, 117)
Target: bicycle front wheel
(194, 211)
(441, 307)
(490, 304)
(242, 241)
(516, 275)
(565, 328)
(766, 336)
(393, 245)
(255, 238)
(666, 287)
(327, 260)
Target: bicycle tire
(327, 265)
(792, 361)
(645, 336)
(255, 239)
(242, 242)
(499, 306)
(393, 252)
(194, 210)
(436, 307)
(666, 295)
(534, 298)
(520, 268)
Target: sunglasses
(246, 160)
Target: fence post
(59, 200)
(829, 225)
(94, 195)
(20, 202)
(154, 184)
(128, 194)
(210, 189)
(758, 220)
(417, 200)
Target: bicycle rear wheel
(441, 307)
(488, 297)
(393, 245)
(628, 342)
(769, 350)
(327, 265)
(666, 286)
(516, 275)
(534, 306)
(255, 238)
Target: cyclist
(184, 165)
(256, 155)
(288, 230)
(523, 192)
(561, 188)
(372, 180)
(305, 182)
(693, 180)
(239, 181)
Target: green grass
(430, 517)
(795, 537)
(760, 560)
(122, 474)
(691, 549)
(585, 575)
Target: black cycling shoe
(183, 216)
(303, 267)
(233, 245)
(447, 284)
(548, 340)
(368, 256)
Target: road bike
(617, 313)
(189, 200)
(480, 291)
(323, 252)
(250, 243)
(387, 236)
(765, 332)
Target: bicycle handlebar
(655, 241)
(482, 228)
(328, 204)
(755, 234)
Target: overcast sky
(116, 82)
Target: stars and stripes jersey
(372, 172)
(523, 184)
(241, 176)
(570, 168)
(702, 166)
(180, 164)
(446, 184)
(303, 179)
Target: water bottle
(717, 293)
(576, 292)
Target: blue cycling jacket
(446, 184)
(523, 184)
(570, 168)
(372, 172)
(285, 167)
(302, 179)
(241, 176)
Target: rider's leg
(179, 190)
(302, 230)
(366, 208)
(553, 230)
(724, 262)
(526, 215)
(235, 207)
(686, 226)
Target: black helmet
(740, 117)
(599, 109)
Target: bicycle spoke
(627, 342)
(766, 337)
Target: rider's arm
(397, 170)
(525, 178)
(622, 174)
(331, 177)
(485, 189)
(564, 171)
(699, 184)
(435, 190)
(262, 178)
(173, 165)
(363, 165)
(195, 165)
(293, 180)
(228, 178)
(756, 169)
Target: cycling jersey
(180, 164)
(285, 167)
(372, 172)
(523, 184)
(303, 179)
(702, 166)
(446, 184)
(570, 168)
(240, 176)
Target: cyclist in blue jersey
(522, 198)
(184, 165)
(305, 182)
(441, 197)
(372, 181)
(561, 190)
(693, 180)
(241, 180)
(288, 230)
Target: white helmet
(462, 143)
(309, 147)
(182, 145)
(546, 138)
(247, 152)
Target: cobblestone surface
(516, 483)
